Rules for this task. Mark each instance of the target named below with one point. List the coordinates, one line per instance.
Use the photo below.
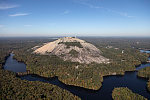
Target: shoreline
(28, 72)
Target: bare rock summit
(73, 49)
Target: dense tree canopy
(13, 88)
(68, 44)
(123, 93)
(145, 72)
(84, 75)
(123, 55)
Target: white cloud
(19, 14)
(90, 5)
(7, 6)
(84, 2)
(120, 13)
(66, 12)
(125, 14)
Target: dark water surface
(145, 51)
(13, 65)
(130, 80)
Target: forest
(123, 93)
(84, 75)
(123, 53)
(68, 44)
(145, 72)
(13, 88)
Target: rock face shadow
(72, 49)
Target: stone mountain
(73, 49)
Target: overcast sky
(74, 17)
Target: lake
(130, 80)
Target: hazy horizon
(74, 36)
(48, 18)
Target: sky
(74, 17)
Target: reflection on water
(130, 80)
(145, 51)
(143, 66)
(13, 65)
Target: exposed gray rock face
(73, 49)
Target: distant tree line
(73, 73)
(83, 75)
(68, 44)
